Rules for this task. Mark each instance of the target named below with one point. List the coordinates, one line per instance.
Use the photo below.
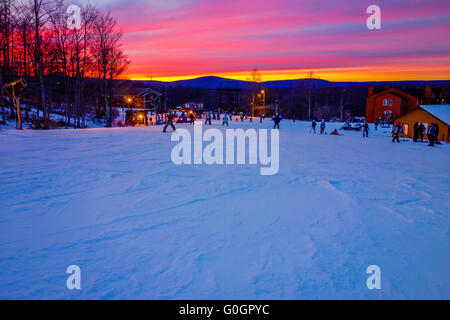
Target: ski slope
(139, 227)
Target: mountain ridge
(214, 83)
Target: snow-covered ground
(112, 202)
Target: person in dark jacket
(421, 131)
(313, 126)
(322, 126)
(277, 120)
(396, 131)
(436, 134)
(431, 135)
(416, 132)
(365, 130)
(169, 122)
(191, 116)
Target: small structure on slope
(427, 114)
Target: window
(405, 129)
(385, 102)
(390, 102)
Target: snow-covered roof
(442, 112)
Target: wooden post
(19, 116)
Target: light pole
(264, 100)
(129, 100)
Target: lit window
(390, 102)
(385, 102)
(405, 129)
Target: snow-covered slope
(139, 227)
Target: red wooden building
(389, 103)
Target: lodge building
(427, 114)
(389, 103)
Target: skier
(277, 120)
(365, 130)
(242, 117)
(225, 120)
(322, 126)
(169, 122)
(376, 124)
(397, 130)
(416, 132)
(191, 116)
(208, 118)
(313, 126)
(293, 117)
(261, 118)
(431, 135)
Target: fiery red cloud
(174, 39)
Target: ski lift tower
(229, 91)
(13, 90)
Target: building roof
(396, 91)
(147, 91)
(442, 112)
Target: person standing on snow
(322, 126)
(365, 130)
(225, 120)
(376, 124)
(313, 126)
(208, 118)
(169, 122)
(416, 132)
(397, 130)
(191, 116)
(436, 134)
(277, 120)
(431, 134)
(421, 131)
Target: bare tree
(40, 15)
(38, 44)
(106, 45)
(255, 79)
(61, 35)
(343, 97)
(309, 87)
(89, 15)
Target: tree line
(69, 56)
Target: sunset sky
(284, 39)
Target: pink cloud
(208, 37)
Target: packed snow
(139, 227)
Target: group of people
(419, 131)
(419, 128)
(432, 133)
(314, 125)
(226, 118)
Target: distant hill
(212, 82)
